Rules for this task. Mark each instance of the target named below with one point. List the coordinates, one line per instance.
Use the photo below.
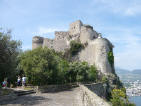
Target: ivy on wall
(111, 57)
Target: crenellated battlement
(37, 39)
(59, 35)
(77, 31)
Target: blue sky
(118, 20)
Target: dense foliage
(81, 72)
(9, 50)
(45, 66)
(119, 98)
(104, 79)
(75, 47)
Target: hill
(126, 75)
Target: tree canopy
(9, 50)
(45, 66)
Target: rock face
(96, 51)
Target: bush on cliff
(104, 79)
(77, 69)
(119, 98)
(75, 47)
(111, 58)
(81, 72)
(93, 74)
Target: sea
(136, 100)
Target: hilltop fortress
(96, 51)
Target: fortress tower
(75, 27)
(37, 41)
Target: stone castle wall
(95, 53)
(48, 42)
(59, 43)
(89, 97)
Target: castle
(96, 51)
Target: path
(63, 98)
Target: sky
(117, 20)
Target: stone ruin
(96, 51)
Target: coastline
(136, 100)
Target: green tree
(81, 72)
(63, 67)
(9, 51)
(44, 66)
(92, 74)
(40, 66)
(72, 72)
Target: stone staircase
(24, 92)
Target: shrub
(75, 47)
(119, 98)
(111, 57)
(92, 74)
(104, 79)
(82, 72)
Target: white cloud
(121, 7)
(130, 56)
(130, 12)
(44, 30)
(47, 32)
(134, 10)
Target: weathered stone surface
(37, 42)
(48, 42)
(89, 98)
(97, 53)
(75, 27)
(86, 34)
(100, 89)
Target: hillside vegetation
(45, 66)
